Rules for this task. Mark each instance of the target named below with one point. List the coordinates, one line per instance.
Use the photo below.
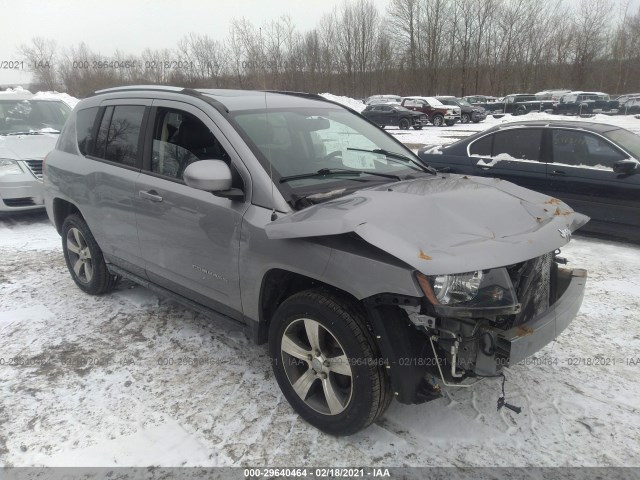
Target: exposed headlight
(9, 167)
(451, 289)
(487, 291)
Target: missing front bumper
(522, 341)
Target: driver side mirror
(626, 167)
(212, 176)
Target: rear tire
(326, 362)
(437, 120)
(84, 258)
(464, 118)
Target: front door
(582, 175)
(189, 238)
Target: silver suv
(29, 128)
(370, 276)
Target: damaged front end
(473, 324)
(481, 255)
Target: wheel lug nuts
(323, 375)
(309, 357)
(325, 363)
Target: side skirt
(208, 312)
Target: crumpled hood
(443, 224)
(26, 147)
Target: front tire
(326, 364)
(404, 124)
(84, 258)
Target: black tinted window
(519, 143)
(119, 134)
(581, 148)
(101, 140)
(85, 120)
(481, 146)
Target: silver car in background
(29, 128)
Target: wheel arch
(61, 210)
(279, 284)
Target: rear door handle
(559, 173)
(150, 195)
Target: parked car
(368, 274)
(629, 105)
(576, 103)
(29, 129)
(381, 99)
(591, 166)
(437, 113)
(468, 113)
(395, 115)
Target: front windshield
(305, 140)
(627, 140)
(28, 116)
(463, 103)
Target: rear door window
(518, 143)
(118, 137)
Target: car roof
(591, 126)
(422, 97)
(233, 99)
(25, 96)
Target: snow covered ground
(131, 379)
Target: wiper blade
(326, 172)
(397, 156)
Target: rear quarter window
(85, 129)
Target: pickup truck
(437, 113)
(521, 104)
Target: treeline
(457, 47)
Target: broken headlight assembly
(472, 294)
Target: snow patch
(352, 103)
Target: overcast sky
(133, 25)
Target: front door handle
(559, 173)
(483, 165)
(150, 195)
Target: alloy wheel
(79, 255)
(316, 366)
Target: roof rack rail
(124, 88)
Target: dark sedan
(593, 167)
(396, 116)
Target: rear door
(513, 154)
(581, 174)
(189, 238)
(113, 142)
